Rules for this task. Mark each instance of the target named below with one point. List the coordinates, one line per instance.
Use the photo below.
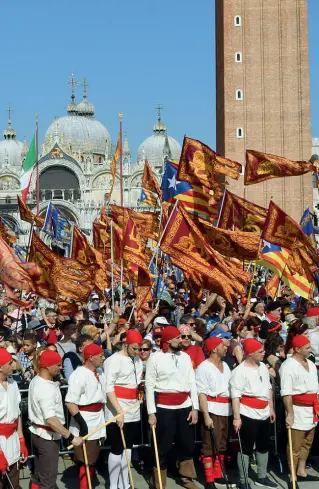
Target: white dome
(82, 134)
(157, 147)
(11, 152)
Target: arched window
(237, 21)
(239, 94)
(238, 57)
(240, 132)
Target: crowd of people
(231, 369)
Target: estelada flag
(147, 223)
(238, 213)
(187, 247)
(236, 244)
(60, 276)
(262, 166)
(27, 215)
(199, 163)
(149, 181)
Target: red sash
(126, 392)
(308, 400)
(172, 398)
(46, 428)
(221, 399)
(96, 407)
(7, 429)
(254, 402)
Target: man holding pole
(253, 411)
(299, 389)
(123, 372)
(213, 386)
(85, 401)
(47, 421)
(170, 379)
(12, 443)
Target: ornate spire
(9, 133)
(25, 146)
(73, 83)
(126, 148)
(84, 85)
(84, 108)
(159, 127)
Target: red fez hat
(251, 346)
(49, 358)
(299, 341)
(213, 343)
(169, 333)
(313, 311)
(133, 336)
(5, 356)
(92, 350)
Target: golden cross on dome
(72, 83)
(10, 110)
(85, 85)
(159, 109)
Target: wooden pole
(157, 458)
(87, 467)
(161, 237)
(121, 157)
(127, 459)
(292, 467)
(37, 184)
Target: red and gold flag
(27, 215)
(60, 276)
(6, 235)
(236, 244)
(149, 181)
(238, 213)
(147, 223)
(12, 298)
(262, 166)
(114, 164)
(200, 164)
(102, 238)
(185, 243)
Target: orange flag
(147, 223)
(185, 243)
(59, 276)
(102, 238)
(262, 166)
(134, 254)
(27, 215)
(199, 163)
(238, 213)
(9, 238)
(114, 164)
(149, 181)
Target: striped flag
(148, 198)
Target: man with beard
(213, 385)
(170, 378)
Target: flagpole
(161, 237)
(220, 210)
(112, 267)
(37, 168)
(121, 157)
(72, 239)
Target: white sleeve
(112, 368)
(150, 380)
(46, 400)
(237, 383)
(286, 381)
(194, 394)
(202, 380)
(75, 389)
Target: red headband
(133, 337)
(49, 358)
(92, 350)
(5, 356)
(299, 341)
(251, 346)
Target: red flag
(238, 213)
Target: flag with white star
(170, 185)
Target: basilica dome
(79, 131)
(12, 151)
(159, 146)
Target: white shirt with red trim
(252, 382)
(170, 372)
(9, 413)
(212, 382)
(124, 371)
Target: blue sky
(133, 54)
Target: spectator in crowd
(72, 360)
(70, 333)
(195, 352)
(26, 357)
(239, 333)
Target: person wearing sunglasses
(195, 352)
(145, 351)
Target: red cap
(213, 343)
(251, 346)
(299, 341)
(169, 333)
(49, 358)
(313, 311)
(92, 350)
(5, 356)
(133, 336)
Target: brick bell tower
(262, 92)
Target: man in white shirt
(299, 389)
(123, 372)
(252, 402)
(213, 386)
(85, 401)
(170, 378)
(47, 421)
(12, 443)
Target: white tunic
(253, 382)
(9, 413)
(212, 382)
(45, 401)
(85, 389)
(126, 372)
(295, 379)
(170, 372)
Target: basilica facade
(75, 166)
